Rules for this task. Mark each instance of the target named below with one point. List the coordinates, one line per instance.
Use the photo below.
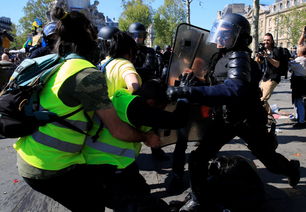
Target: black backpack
(20, 112)
(234, 184)
(284, 56)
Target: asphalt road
(16, 196)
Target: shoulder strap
(61, 120)
(103, 67)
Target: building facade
(269, 18)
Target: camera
(261, 48)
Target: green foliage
(135, 11)
(292, 23)
(166, 20)
(16, 43)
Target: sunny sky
(201, 16)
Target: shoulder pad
(239, 54)
(239, 66)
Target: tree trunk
(254, 26)
(188, 2)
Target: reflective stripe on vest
(107, 148)
(56, 143)
(53, 146)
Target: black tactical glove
(190, 79)
(187, 79)
(174, 93)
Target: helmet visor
(224, 34)
(138, 34)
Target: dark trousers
(127, 191)
(92, 187)
(199, 124)
(80, 189)
(261, 143)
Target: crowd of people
(119, 88)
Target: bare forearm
(301, 39)
(127, 133)
(274, 62)
(119, 129)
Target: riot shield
(191, 53)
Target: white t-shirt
(298, 66)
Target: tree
(135, 11)
(291, 24)
(188, 3)
(17, 43)
(166, 20)
(255, 17)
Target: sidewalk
(16, 196)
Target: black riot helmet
(107, 32)
(157, 48)
(231, 31)
(137, 30)
(105, 36)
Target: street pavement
(16, 196)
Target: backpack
(20, 112)
(284, 56)
(233, 183)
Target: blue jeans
(300, 110)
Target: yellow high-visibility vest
(54, 146)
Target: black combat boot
(294, 175)
(176, 184)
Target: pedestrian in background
(269, 58)
(298, 81)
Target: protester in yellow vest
(126, 187)
(120, 72)
(50, 160)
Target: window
(288, 44)
(287, 4)
(270, 22)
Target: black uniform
(242, 115)
(238, 111)
(146, 63)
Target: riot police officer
(146, 65)
(145, 60)
(105, 35)
(160, 61)
(235, 98)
